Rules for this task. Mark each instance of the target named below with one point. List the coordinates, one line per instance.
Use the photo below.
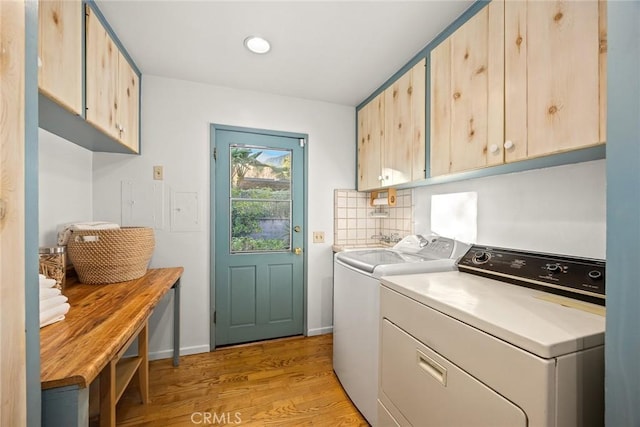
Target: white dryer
(356, 304)
(459, 349)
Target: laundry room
(320, 213)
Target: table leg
(176, 323)
(143, 370)
(108, 395)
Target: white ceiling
(334, 51)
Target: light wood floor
(288, 382)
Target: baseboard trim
(184, 351)
(319, 331)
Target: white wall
(65, 187)
(556, 210)
(175, 133)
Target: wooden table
(102, 322)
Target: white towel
(49, 322)
(65, 230)
(46, 293)
(47, 283)
(46, 304)
(53, 314)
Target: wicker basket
(110, 256)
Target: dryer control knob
(595, 274)
(480, 257)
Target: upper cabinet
(467, 103)
(60, 52)
(391, 133)
(519, 80)
(370, 143)
(555, 79)
(112, 86)
(107, 117)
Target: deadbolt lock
(296, 228)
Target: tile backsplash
(354, 223)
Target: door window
(260, 199)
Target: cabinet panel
(370, 142)
(13, 367)
(469, 105)
(560, 44)
(404, 127)
(440, 125)
(60, 52)
(467, 94)
(128, 103)
(102, 77)
(418, 120)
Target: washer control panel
(580, 278)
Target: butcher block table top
(101, 320)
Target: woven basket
(110, 256)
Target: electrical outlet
(318, 237)
(158, 173)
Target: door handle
(297, 251)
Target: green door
(258, 203)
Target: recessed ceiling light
(257, 44)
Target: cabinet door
(467, 95)
(13, 409)
(555, 65)
(128, 104)
(102, 77)
(370, 141)
(60, 52)
(404, 126)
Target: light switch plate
(318, 237)
(158, 173)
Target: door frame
(212, 220)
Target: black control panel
(579, 278)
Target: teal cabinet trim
(580, 155)
(424, 53)
(59, 121)
(92, 4)
(622, 340)
(576, 156)
(31, 220)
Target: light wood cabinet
(519, 80)
(112, 103)
(555, 80)
(370, 143)
(13, 342)
(391, 129)
(129, 103)
(467, 94)
(60, 52)
(404, 148)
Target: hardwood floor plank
(285, 382)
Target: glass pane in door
(260, 208)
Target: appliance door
(368, 260)
(428, 390)
(356, 307)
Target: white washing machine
(459, 349)
(356, 304)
